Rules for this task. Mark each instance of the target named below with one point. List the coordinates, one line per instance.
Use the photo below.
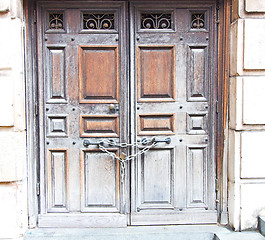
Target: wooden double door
(115, 78)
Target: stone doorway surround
(242, 154)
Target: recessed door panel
(99, 180)
(156, 76)
(56, 75)
(156, 183)
(99, 74)
(197, 74)
(57, 179)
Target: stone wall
(13, 184)
(247, 114)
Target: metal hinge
(38, 189)
(34, 16)
(216, 185)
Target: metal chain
(123, 158)
(124, 145)
(142, 151)
(130, 157)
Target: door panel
(99, 74)
(173, 182)
(156, 75)
(156, 182)
(100, 182)
(197, 89)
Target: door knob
(113, 108)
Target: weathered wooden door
(127, 73)
(82, 71)
(173, 78)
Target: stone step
(185, 232)
(143, 236)
(261, 225)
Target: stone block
(253, 100)
(252, 155)
(234, 156)
(5, 44)
(4, 6)
(236, 48)
(13, 209)
(18, 76)
(235, 103)
(16, 10)
(13, 156)
(6, 98)
(254, 44)
(252, 204)
(255, 5)
(246, 103)
(234, 205)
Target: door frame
(31, 81)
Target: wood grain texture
(158, 88)
(196, 177)
(223, 99)
(57, 179)
(156, 73)
(99, 126)
(156, 124)
(83, 220)
(56, 74)
(57, 126)
(157, 179)
(198, 76)
(191, 104)
(86, 68)
(98, 74)
(197, 123)
(99, 181)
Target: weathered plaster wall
(13, 190)
(247, 115)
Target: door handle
(86, 143)
(145, 141)
(113, 108)
(166, 140)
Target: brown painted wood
(156, 73)
(99, 126)
(156, 124)
(99, 74)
